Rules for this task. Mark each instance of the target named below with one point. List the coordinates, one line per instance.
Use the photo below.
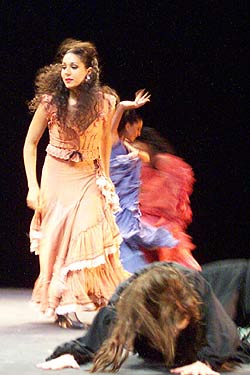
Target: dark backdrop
(192, 56)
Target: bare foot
(50, 313)
(88, 307)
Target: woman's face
(73, 71)
(132, 131)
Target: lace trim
(91, 263)
(107, 189)
(35, 237)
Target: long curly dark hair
(148, 314)
(90, 94)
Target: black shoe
(244, 333)
(70, 320)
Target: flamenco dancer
(73, 229)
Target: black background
(193, 57)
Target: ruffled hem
(96, 256)
(128, 223)
(79, 288)
(94, 285)
(90, 272)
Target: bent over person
(164, 312)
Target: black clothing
(223, 341)
(230, 281)
(84, 348)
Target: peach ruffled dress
(74, 232)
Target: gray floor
(27, 339)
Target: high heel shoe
(70, 320)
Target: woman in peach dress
(73, 229)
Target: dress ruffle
(76, 237)
(107, 189)
(125, 169)
(164, 201)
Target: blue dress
(125, 170)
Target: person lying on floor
(164, 313)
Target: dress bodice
(71, 143)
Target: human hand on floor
(196, 368)
(64, 361)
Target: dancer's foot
(70, 320)
(50, 313)
(88, 307)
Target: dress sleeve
(84, 348)
(76, 348)
(108, 105)
(221, 332)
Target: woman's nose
(67, 71)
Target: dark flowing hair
(155, 143)
(130, 116)
(149, 311)
(49, 82)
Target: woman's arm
(141, 98)
(106, 138)
(82, 350)
(35, 132)
(143, 155)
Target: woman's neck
(124, 138)
(73, 96)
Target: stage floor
(27, 339)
